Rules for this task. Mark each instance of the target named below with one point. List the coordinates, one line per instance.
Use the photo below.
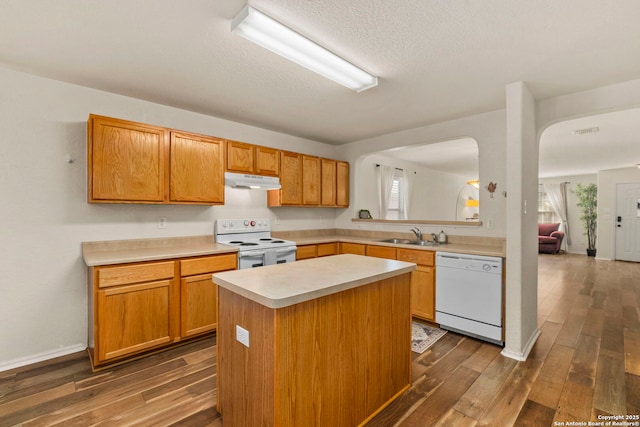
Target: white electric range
(252, 237)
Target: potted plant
(588, 202)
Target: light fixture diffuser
(264, 31)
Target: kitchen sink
(423, 243)
(399, 241)
(410, 242)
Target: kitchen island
(329, 341)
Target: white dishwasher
(469, 295)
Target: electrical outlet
(162, 222)
(242, 335)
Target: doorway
(628, 222)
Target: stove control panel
(226, 226)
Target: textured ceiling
(436, 60)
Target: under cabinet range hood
(241, 180)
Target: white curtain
(406, 185)
(385, 184)
(557, 195)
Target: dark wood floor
(586, 363)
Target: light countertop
(124, 251)
(473, 247)
(282, 285)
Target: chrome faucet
(434, 237)
(418, 233)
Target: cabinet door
(126, 161)
(328, 182)
(197, 169)
(290, 178)
(240, 157)
(310, 180)
(306, 252)
(423, 293)
(342, 184)
(267, 161)
(133, 318)
(199, 307)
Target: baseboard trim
(40, 357)
(522, 356)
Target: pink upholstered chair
(549, 238)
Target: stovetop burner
(248, 244)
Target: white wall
(434, 195)
(487, 129)
(45, 215)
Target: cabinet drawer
(208, 264)
(352, 248)
(136, 273)
(307, 251)
(419, 257)
(325, 249)
(381, 252)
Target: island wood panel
(246, 376)
(196, 171)
(336, 360)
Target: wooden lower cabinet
(198, 293)
(381, 252)
(423, 283)
(306, 252)
(353, 248)
(139, 307)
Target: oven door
(286, 254)
(251, 259)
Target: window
(395, 209)
(546, 214)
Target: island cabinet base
(336, 360)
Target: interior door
(628, 222)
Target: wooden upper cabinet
(252, 159)
(126, 161)
(290, 180)
(240, 157)
(328, 191)
(197, 173)
(342, 184)
(267, 161)
(310, 180)
(131, 162)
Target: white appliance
(244, 180)
(469, 295)
(252, 237)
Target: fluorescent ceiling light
(257, 27)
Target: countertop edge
(306, 295)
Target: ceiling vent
(585, 131)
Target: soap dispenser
(442, 238)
